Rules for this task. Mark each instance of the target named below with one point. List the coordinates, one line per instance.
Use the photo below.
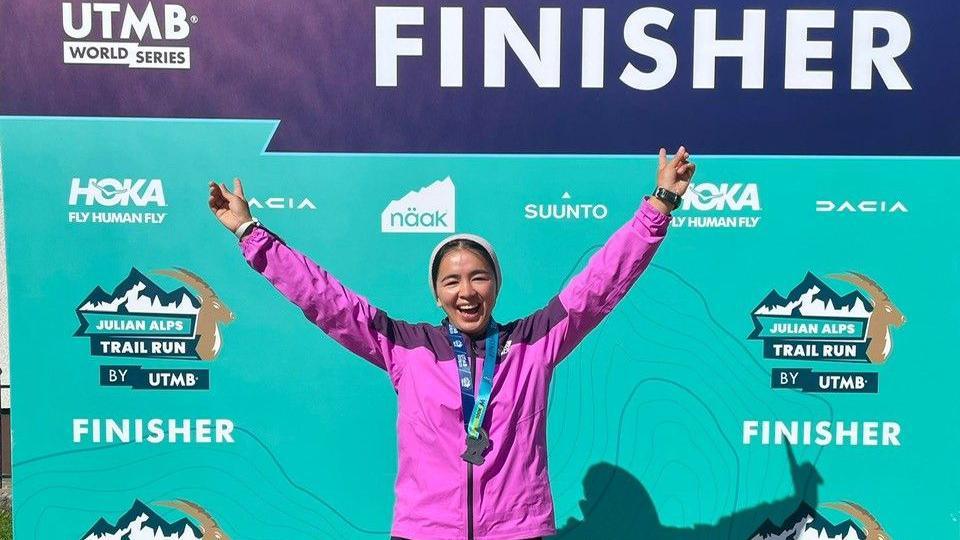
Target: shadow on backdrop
(616, 505)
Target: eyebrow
(479, 271)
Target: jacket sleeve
(609, 274)
(342, 314)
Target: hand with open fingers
(231, 208)
(675, 174)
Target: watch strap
(245, 226)
(668, 197)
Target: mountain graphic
(814, 298)
(139, 294)
(142, 523)
(805, 523)
(440, 196)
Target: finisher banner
(780, 370)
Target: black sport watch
(668, 197)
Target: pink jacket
(438, 495)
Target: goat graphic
(872, 527)
(884, 315)
(208, 526)
(212, 312)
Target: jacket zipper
(473, 368)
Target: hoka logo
(735, 197)
(114, 192)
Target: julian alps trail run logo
(808, 524)
(141, 320)
(815, 323)
(141, 522)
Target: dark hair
(461, 244)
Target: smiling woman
(472, 456)
(465, 278)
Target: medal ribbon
(474, 409)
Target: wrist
(246, 228)
(659, 205)
(668, 199)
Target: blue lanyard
(474, 409)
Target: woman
(473, 462)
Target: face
(466, 290)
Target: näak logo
(815, 323)
(431, 209)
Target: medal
(475, 407)
(476, 448)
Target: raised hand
(231, 208)
(675, 174)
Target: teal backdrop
(646, 417)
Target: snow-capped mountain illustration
(138, 294)
(142, 523)
(814, 298)
(807, 524)
(429, 209)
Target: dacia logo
(864, 206)
(282, 203)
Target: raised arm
(612, 270)
(342, 314)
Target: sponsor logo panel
(116, 200)
(148, 37)
(863, 206)
(565, 209)
(723, 205)
(281, 203)
(431, 209)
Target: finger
(238, 188)
(687, 170)
(216, 193)
(663, 157)
(226, 192)
(678, 157)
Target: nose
(466, 289)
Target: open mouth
(469, 311)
